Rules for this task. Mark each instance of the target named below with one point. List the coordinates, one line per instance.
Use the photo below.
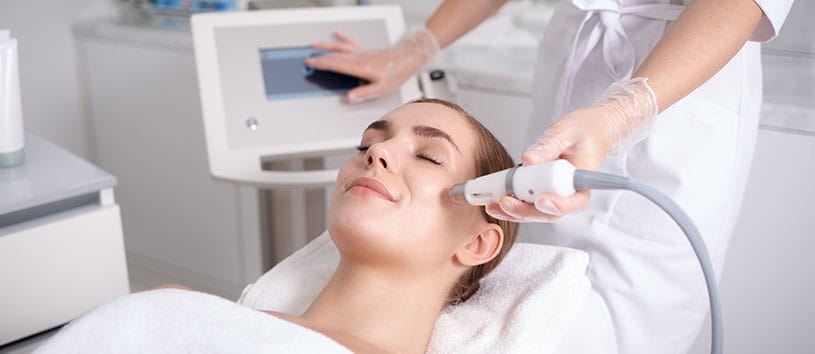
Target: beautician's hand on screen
(584, 137)
(384, 69)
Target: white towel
(180, 321)
(524, 306)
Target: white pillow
(525, 305)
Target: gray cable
(597, 180)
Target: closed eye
(430, 159)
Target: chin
(363, 235)
(358, 223)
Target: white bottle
(11, 112)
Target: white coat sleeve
(775, 12)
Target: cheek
(431, 199)
(436, 218)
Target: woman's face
(390, 204)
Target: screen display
(286, 75)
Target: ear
(482, 247)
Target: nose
(379, 155)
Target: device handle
(530, 182)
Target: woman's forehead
(433, 115)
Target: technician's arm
(700, 42)
(454, 18)
(387, 69)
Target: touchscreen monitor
(286, 76)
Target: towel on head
(181, 321)
(525, 305)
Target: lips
(374, 185)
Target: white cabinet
(179, 224)
(61, 248)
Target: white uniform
(698, 152)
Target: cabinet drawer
(54, 268)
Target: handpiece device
(560, 177)
(526, 183)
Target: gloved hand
(384, 69)
(620, 118)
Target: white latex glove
(384, 69)
(620, 118)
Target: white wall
(767, 281)
(53, 104)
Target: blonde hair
(491, 156)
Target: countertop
(789, 91)
(50, 174)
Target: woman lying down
(406, 251)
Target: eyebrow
(420, 130)
(379, 125)
(430, 132)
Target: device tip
(457, 194)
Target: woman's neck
(394, 313)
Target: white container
(11, 112)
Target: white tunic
(698, 152)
